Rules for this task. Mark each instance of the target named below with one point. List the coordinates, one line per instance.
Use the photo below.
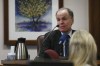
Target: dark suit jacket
(51, 42)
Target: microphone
(46, 38)
(50, 32)
(57, 25)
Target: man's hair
(67, 9)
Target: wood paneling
(94, 21)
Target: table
(26, 62)
(15, 62)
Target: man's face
(64, 20)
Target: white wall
(80, 9)
(4, 50)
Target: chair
(40, 40)
(50, 53)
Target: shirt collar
(69, 33)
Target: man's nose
(61, 21)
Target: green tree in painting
(33, 9)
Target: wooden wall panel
(94, 21)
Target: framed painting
(28, 19)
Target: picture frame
(7, 40)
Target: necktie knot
(63, 38)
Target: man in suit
(65, 20)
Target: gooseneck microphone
(47, 37)
(50, 32)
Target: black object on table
(38, 61)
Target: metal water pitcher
(21, 49)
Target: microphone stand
(50, 33)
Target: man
(65, 20)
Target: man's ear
(72, 20)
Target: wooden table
(23, 62)
(15, 62)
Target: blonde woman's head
(82, 48)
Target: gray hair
(67, 9)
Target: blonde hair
(82, 49)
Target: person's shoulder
(53, 32)
(56, 31)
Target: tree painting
(33, 15)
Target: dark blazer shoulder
(53, 33)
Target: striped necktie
(63, 41)
(66, 46)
